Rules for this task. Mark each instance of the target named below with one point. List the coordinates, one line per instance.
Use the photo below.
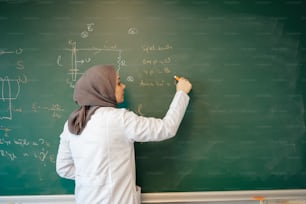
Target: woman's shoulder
(114, 116)
(110, 111)
(115, 113)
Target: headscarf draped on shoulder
(95, 88)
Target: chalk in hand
(177, 78)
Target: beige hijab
(95, 88)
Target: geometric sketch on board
(9, 91)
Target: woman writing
(97, 143)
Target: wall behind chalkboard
(244, 128)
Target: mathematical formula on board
(72, 61)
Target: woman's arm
(144, 129)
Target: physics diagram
(86, 55)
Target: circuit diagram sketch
(9, 88)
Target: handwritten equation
(157, 61)
(55, 109)
(33, 149)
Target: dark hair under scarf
(95, 88)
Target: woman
(96, 146)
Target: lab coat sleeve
(145, 129)
(64, 162)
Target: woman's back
(104, 160)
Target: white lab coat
(101, 160)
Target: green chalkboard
(244, 128)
